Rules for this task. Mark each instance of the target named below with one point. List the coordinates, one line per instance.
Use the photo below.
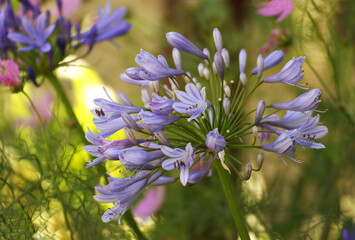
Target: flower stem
(61, 94)
(232, 201)
(133, 225)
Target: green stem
(133, 225)
(232, 201)
(62, 95)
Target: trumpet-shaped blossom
(183, 44)
(179, 159)
(291, 73)
(306, 102)
(155, 122)
(161, 105)
(152, 68)
(140, 82)
(292, 119)
(264, 136)
(192, 101)
(281, 145)
(138, 158)
(108, 26)
(277, 7)
(214, 141)
(271, 60)
(37, 37)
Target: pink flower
(150, 203)
(276, 7)
(9, 73)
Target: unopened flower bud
(207, 52)
(242, 60)
(124, 99)
(224, 83)
(154, 86)
(199, 86)
(129, 121)
(61, 43)
(162, 138)
(255, 131)
(217, 37)
(218, 61)
(226, 105)
(271, 60)
(227, 90)
(260, 160)
(243, 78)
(31, 75)
(146, 99)
(260, 109)
(260, 65)
(130, 135)
(188, 77)
(200, 69)
(226, 58)
(177, 58)
(206, 73)
(194, 80)
(247, 171)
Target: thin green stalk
(132, 224)
(232, 201)
(62, 95)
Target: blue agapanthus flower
(108, 25)
(37, 36)
(191, 122)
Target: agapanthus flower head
(9, 74)
(37, 36)
(192, 127)
(277, 7)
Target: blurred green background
(48, 194)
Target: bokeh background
(48, 194)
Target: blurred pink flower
(9, 73)
(276, 7)
(278, 38)
(43, 105)
(150, 203)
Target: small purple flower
(292, 119)
(243, 61)
(264, 136)
(217, 37)
(290, 74)
(161, 105)
(108, 26)
(183, 44)
(307, 133)
(104, 149)
(271, 60)
(152, 68)
(192, 101)
(139, 158)
(155, 122)
(179, 159)
(196, 176)
(281, 145)
(214, 141)
(122, 192)
(139, 82)
(306, 102)
(36, 36)
(5, 43)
